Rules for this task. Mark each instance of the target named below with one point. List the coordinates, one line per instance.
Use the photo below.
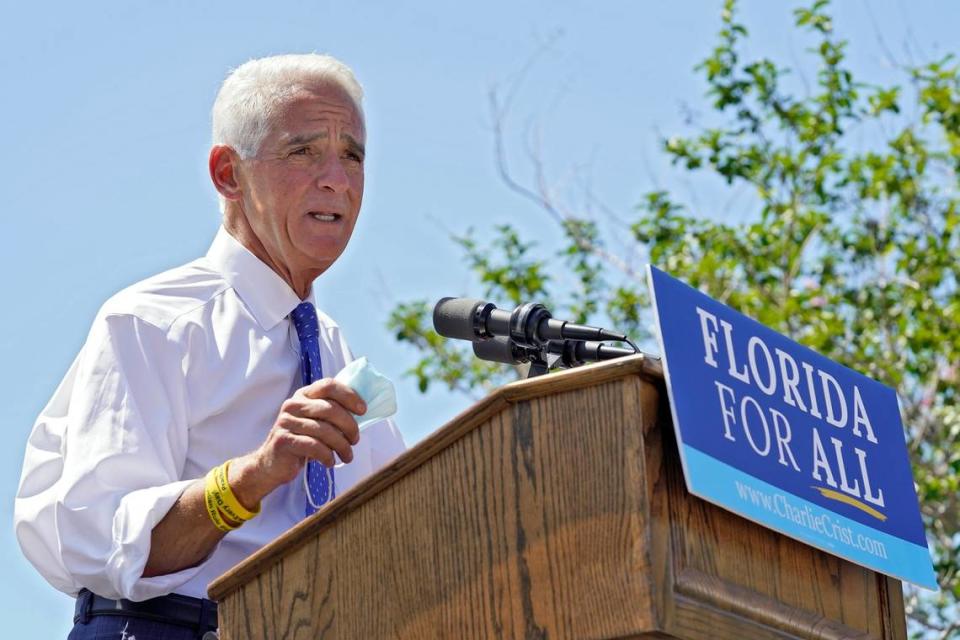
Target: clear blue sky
(105, 120)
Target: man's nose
(333, 176)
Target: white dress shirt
(179, 373)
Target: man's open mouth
(324, 217)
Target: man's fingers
(326, 410)
(331, 389)
(304, 446)
(325, 433)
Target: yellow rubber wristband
(210, 500)
(227, 501)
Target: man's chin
(321, 261)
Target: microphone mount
(555, 354)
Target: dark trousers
(127, 628)
(172, 617)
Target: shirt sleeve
(104, 462)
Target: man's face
(302, 190)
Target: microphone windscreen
(496, 350)
(453, 317)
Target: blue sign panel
(775, 432)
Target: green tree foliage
(851, 246)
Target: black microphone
(573, 353)
(529, 325)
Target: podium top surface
(639, 365)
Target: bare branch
(542, 194)
(878, 34)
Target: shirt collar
(267, 295)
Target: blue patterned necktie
(320, 484)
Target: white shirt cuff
(133, 524)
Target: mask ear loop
(306, 489)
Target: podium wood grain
(555, 508)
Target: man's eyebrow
(304, 138)
(353, 144)
(307, 138)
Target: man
(220, 366)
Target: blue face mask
(371, 385)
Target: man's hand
(313, 424)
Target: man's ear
(223, 171)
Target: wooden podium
(554, 508)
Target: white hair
(255, 91)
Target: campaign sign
(778, 434)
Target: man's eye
(300, 151)
(355, 157)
